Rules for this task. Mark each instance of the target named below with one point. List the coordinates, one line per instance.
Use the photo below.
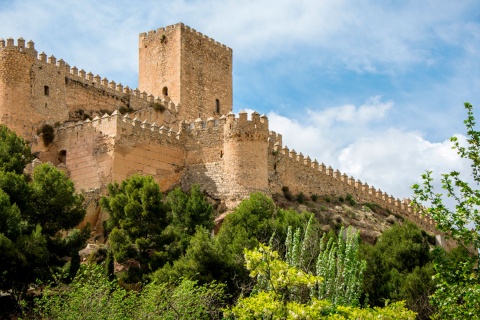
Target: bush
(372, 206)
(300, 197)
(123, 110)
(314, 197)
(350, 199)
(158, 107)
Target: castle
(178, 126)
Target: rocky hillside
(333, 212)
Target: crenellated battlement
(123, 127)
(9, 45)
(340, 184)
(160, 33)
(241, 124)
(87, 79)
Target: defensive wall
(226, 155)
(287, 168)
(36, 89)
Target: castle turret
(245, 159)
(190, 68)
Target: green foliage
(339, 264)
(190, 210)
(158, 107)
(399, 268)
(138, 218)
(350, 199)
(14, 152)
(123, 110)
(221, 258)
(300, 198)
(283, 281)
(150, 231)
(32, 216)
(204, 261)
(93, 296)
(458, 282)
(55, 206)
(314, 197)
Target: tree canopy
(457, 294)
(33, 213)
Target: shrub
(314, 197)
(372, 206)
(300, 197)
(124, 110)
(350, 199)
(341, 199)
(158, 107)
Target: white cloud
(387, 158)
(371, 111)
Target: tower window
(165, 91)
(46, 90)
(217, 106)
(62, 157)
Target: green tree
(283, 280)
(399, 268)
(187, 211)
(33, 214)
(54, 204)
(342, 269)
(457, 294)
(336, 260)
(14, 152)
(138, 217)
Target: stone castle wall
(300, 174)
(195, 69)
(35, 90)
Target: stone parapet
(300, 174)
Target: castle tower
(182, 64)
(246, 155)
(31, 90)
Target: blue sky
(372, 88)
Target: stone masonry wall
(204, 156)
(148, 149)
(88, 149)
(196, 70)
(206, 75)
(37, 90)
(300, 174)
(159, 62)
